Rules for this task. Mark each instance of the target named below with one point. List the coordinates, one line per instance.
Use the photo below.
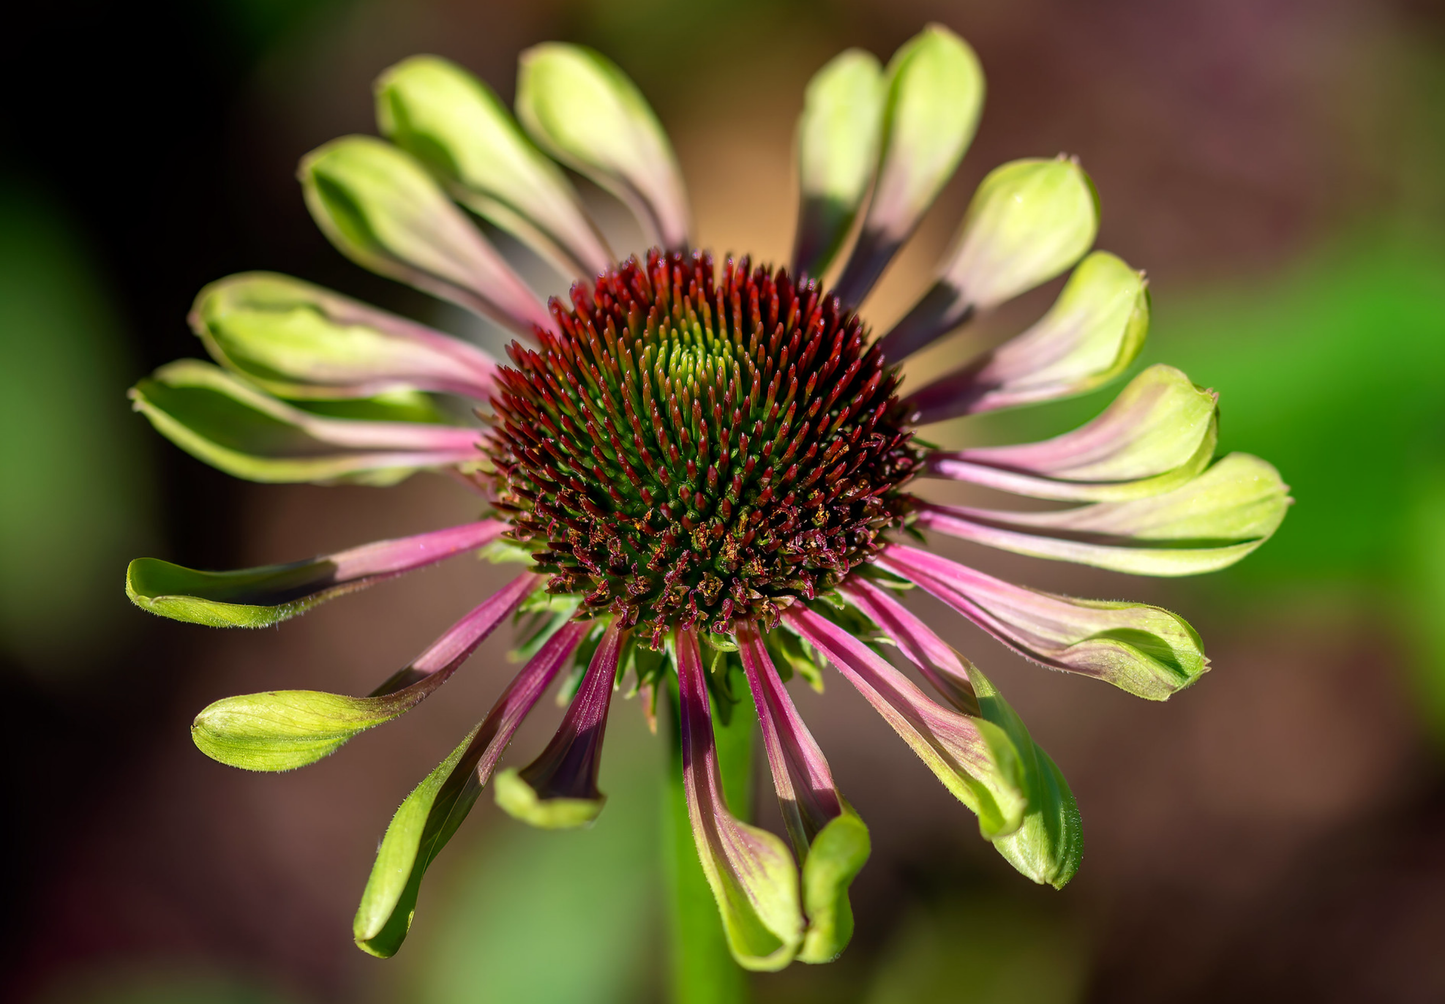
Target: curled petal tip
(300, 341)
(973, 758)
(382, 209)
(521, 801)
(580, 107)
(1158, 434)
(456, 125)
(436, 807)
(837, 855)
(1090, 336)
(282, 730)
(838, 135)
(1028, 222)
(260, 597)
(235, 427)
(1142, 649)
(558, 790)
(931, 109)
(1206, 524)
(751, 874)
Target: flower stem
(702, 969)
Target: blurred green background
(1277, 832)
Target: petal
(260, 597)
(838, 137)
(231, 425)
(1028, 222)
(383, 211)
(936, 660)
(1159, 433)
(581, 108)
(973, 758)
(558, 790)
(437, 806)
(1090, 336)
(829, 838)
(1207, 524)
(1048, 844)
(456, 125)
(1142, 649)
(751, 874)
(838, 854)
(806, 792)
(282, 730)
(935, 95)
(297, 340)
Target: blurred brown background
(1277, 832)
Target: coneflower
(705, 467)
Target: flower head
(705, 468)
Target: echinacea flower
(705, 469)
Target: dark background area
(1277, 832)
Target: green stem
(703, 971)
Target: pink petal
(806, 792)
(1145, 650)
(974, 759)
(935, 659)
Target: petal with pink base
(433, 811)
(558, 790)
(751, 874)
(260, 597)
(1207, 524)
(227, 423)
(381, 209)
(300, 341)
(1048, 845)
(286, 729)
(1158, 434)
(973, 758)
(937, 661)
(1090, 336)
(827, 834)
(1145, 650)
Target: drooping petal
(1048, 844)
(297, 340)
(1028, 222)
(227, 423)
(1159, 433)
(437, 806)
(973, 758)
(838, 136)
(806, 792)
(581, 108)
(383, 211)
(937, 661)
(282, 730)
(260, 597)
(934, 97)
(1142, 649)
(750, 871)
(838, 854)
(1207, 524)
(558, 790)
(827, 835)
(456, 125)
(1090, 336)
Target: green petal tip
(519, 800)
